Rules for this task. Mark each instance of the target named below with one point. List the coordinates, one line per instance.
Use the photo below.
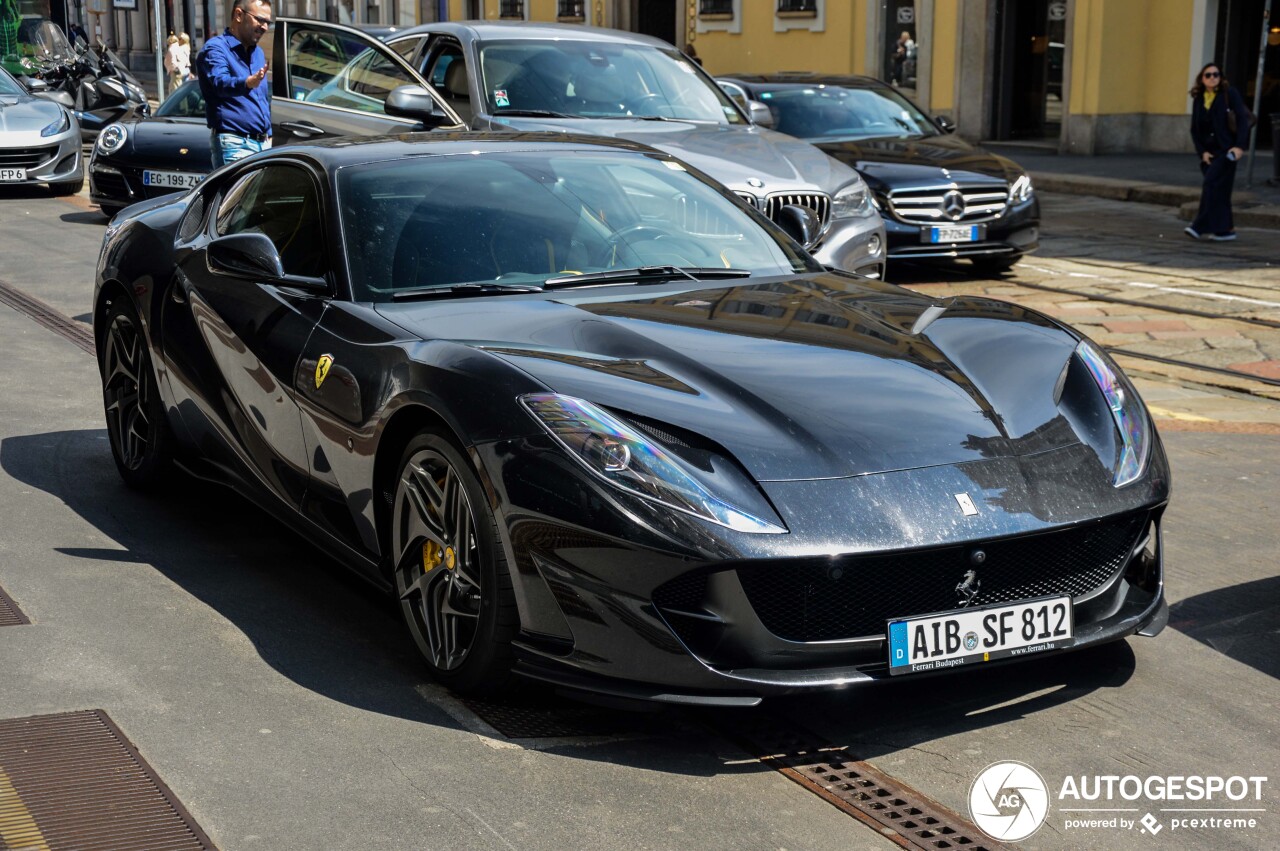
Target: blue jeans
(228, 147)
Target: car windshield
(583, 79)
(824, 112)
(10, 86)
(524, 217)
(185, 102)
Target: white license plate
(966, 636)
(171, 179)
(10, 174)
(953, 233)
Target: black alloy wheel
(450, 573)
(136, 425)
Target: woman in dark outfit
(1219, 151)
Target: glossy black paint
(892, 164)
(859, 409)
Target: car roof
(805, 78)
(533, 31)
(340, 151)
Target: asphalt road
(282, 702)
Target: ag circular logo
(1009, 801)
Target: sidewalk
(1170, 179)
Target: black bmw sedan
(168, 152)
(941, 198)
(592, 419)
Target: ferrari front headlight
(617, 453)
(60, 125)
(1127, 411)
(853, 200)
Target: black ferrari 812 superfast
(595, 421)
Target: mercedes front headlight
(1021, 190)
(112, 139)
(619, 454)
(60, 125)
(1127, 411)
(853, 200)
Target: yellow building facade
(1079, 76)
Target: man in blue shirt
(233, 72)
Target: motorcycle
(92, 83)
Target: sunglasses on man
(266, 22)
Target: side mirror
(800, 223)
(759, 114)
(417, 103)
(253, 256)
(945, 123)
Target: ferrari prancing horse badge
(322, 369)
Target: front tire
(68, 187)
(451, 574)
(137, 426)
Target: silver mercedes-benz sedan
(39, 140)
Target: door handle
(302, 129)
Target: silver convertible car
(39, 141)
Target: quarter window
(281, 202)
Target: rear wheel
(450, 572)
(137, 428)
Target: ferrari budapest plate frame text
(965, 636)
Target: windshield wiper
(645, 273)
(534, 113)
(475, 288)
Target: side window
(448, 75)
(281, 202)
(334, 69)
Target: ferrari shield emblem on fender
(322, 369)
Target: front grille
(854, 596)
(929, 205)
(819, 203)
(27, 157)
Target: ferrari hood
(799, 379)
(732, 154)
(22, 114)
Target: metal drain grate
(76, 332)
(73, 781)
(893, 809)
(10, 614)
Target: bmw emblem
(970, 640)
(755, 182)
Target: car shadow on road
(1240, 621)
(318, 625)
(88, 217)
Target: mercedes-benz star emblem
(953, 205)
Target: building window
(511, 9)
(720, 16)
(571, 10)
(800, 15)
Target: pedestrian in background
(1220, 131)
(176, 62)
(184, 41)
(233, 72)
